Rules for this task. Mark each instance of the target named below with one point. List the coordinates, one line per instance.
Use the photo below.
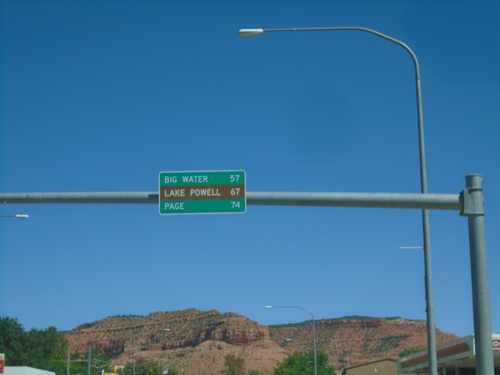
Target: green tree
(11, 340)
(143, 367)
(410, 351)
(100, 362)
(170, 371)
(234, 365)
(45, 349)
(79, 364)
(42, 349)
(296, 364)
(154, 371)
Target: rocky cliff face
(191, 340)
(197, 342)
(351, 341)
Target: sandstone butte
(198, 342)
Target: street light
(16, 216)
(431, 334)
(313, 329)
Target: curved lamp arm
(423, 168)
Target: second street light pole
(431, 333)
(133, 366)
(313, 329)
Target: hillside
(199, 341)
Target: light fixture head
(250, 32)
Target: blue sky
(104, 95)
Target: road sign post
(202, 192)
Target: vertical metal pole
(90, 356)
(314, 346)
(67, 363)
(133, 368)
(431, 332)
(429, 298)
(313, 330)
(473, 208)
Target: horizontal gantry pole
(367, 200)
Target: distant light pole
(16, 216)
(313, 329)
(431, 334)
(133, 367)
(89, 365)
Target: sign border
(244, 199)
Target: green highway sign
(202, 192)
